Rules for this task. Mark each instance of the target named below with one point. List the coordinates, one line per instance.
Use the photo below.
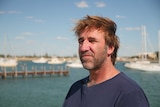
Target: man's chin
(87, 66)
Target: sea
(50, 91)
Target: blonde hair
(104, 24)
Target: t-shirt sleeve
(134, 98)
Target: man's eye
(92, 40)
(80, 41)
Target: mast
(159, 46)
(144, 43)
(5, 46)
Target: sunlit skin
(95, 56)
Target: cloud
(27, 33)
(119, 16)
(100, 4)
(10, 12)
(23, 35)
(29, 17)
(35, 20)
(132, 28)
(82, 4)
(2, 12)
(20, 38)
(74, 20)
(61, 38)
(31, 42)
(13, 12)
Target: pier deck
(13, 74)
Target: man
(105, 86)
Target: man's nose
(84, 46)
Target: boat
(40, 60)
(75, 64)
(55, 60)
(144, 64)
(8, 61)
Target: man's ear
(110, 50)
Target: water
(49, 91)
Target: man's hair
(105, 25)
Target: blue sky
(45, 26)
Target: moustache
(86, 54)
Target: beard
(92, 62)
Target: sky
(37, 27)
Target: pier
(33, 73)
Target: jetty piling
(14, 73)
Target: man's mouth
(86, 55)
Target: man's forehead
(91, 33)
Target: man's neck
(102, 74)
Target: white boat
(75, 64)
(7, 61)
(40, 60)
(144, 64)
(55, 60)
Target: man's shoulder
(126, 82)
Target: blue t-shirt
(119, 91)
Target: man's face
(92, 49)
